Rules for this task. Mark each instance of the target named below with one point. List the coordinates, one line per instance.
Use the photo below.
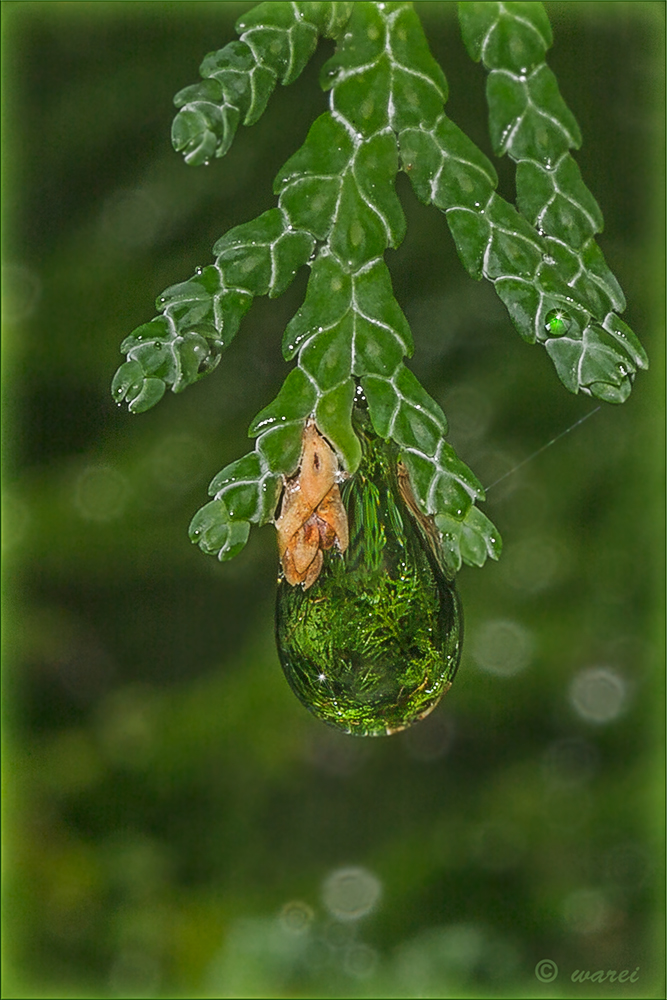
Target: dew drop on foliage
(371, 646)
(557, 323)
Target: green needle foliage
(338, 212)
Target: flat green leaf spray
(374, 510)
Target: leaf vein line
(492, 28)
(526, 23)
(416, 73)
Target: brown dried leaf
(312, 516)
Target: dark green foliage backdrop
(172, 813)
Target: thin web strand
(543, 448)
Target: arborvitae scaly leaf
(572, 296)
(277, 40)
(338, 212)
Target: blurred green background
(176, 824)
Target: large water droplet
(373, 644)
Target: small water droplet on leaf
(557, 322)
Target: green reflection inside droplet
(557, 322)
(373, 645)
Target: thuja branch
(337, 212)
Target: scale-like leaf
(469, 539)
(338, 212)
(217, 533)
(277, 40)
(202, 315)
(350, 330)
(529, 120)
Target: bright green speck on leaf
(557, 323)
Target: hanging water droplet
(374, 642)
(557, 322)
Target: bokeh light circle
(502, 647)
(351, 893)
(598, 694)
(296, 917)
